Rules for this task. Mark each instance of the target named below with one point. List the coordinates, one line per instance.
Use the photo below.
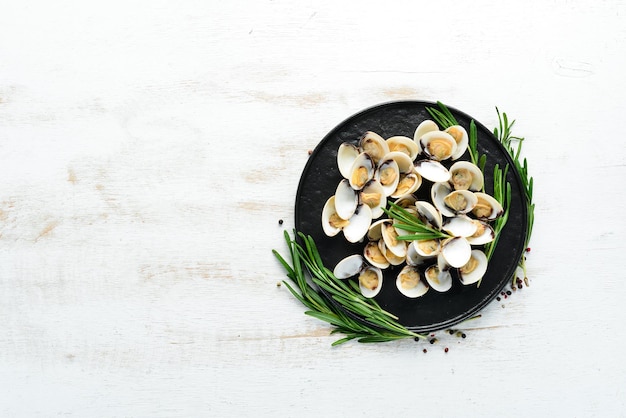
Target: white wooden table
(148, 150)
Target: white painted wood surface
(148, 150)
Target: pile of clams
(379, 170)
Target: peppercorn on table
(151, 155)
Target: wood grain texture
(148, 150)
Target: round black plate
(434, 310)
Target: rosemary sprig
(502, 193)
(442, 116)
(411, 223)
(505, 136)
(305, 257)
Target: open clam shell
(474, 270)
(346, 199)
(403, 144)
(438, 145)
(460, 137)
(362, 171)
(487, 207)
(466, 176)
(374, 145)
(424, 127)
(432, 170)
(346, 155)
(438, 277)
(373, 195)
(370, 281)
(410, 282)
(456, 251)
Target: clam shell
(362, 171)
(478, 272)
(367, 196)
(496, 207)
(456, 251)
(484, 233)
(327, 212)
(438, 145)
(466, 176)
(424, 127)
(461, 138)
(346, 200)
(405, 145)
(410, 282)
(405, 163)
(359, 224)
(374, 145)
(460, 226)
(397, 247)
(367, 291)
(373, 255)
(349, 266)
(346, 155)
(432, 170)
(428, 213)
(438, 278)
(408, 184)
(388, 175)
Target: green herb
(442, 116)
(406, 221)
(502, 193)
(305, 257)
(505, 136)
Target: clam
(346, 199)
(438, 276)
(373, 195)
(427, 247)
(370, 281)
(413, 258)
(460, 226)
(432, 170)
(405, 201)
(388, 175)
(392, 243)
(374, 232)
(466, 176)
(370, 277)
(403, 144)
(346, 155)
(405, 163)
(374, 145)
(374, 256)
(460, 137)
(472, 271)
(428, 214)
(456, 251)
(487, 207)
(408, 184)
(359, 224)
(438, 145)
(460, 201)
(438, 193)
(424, 127)
(362, 171)
(332, 223)
(450, 203)
(354, 228)
(409, 282)
(484, 233)
(393, 259)
(349, 266)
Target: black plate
(434, 310)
